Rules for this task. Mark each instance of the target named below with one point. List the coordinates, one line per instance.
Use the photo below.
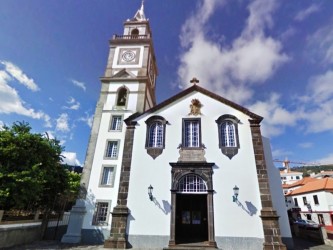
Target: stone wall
(18, 234)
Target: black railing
(129, 37)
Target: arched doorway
(191, 210)
(192, 213)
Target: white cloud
(88, 119)
(252, 58)
(79, 84)
(320, 44)
(62, 123)
(276, 117)
(306, 145)
(325, 160)
(10, 101)
(19, 75)
(301, 15)
(70, 158)
(280, 154)
(321, 87)
(73, 104)
(316, 107)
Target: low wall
(17, 234)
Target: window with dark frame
(155, 135)
(191, 133)
(296, 202)
(315, 199)
(122, 96)
(304, 200)
(116, 123)
(101, 213)
(228, 135)
(112, 149)
(107, 176)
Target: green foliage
(31, 175)
(74, 185)
(307, 170)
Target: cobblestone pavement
(299, 244)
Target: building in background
(312, 199)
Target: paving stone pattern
(299, 244)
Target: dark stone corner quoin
(270, 219)
(118, 237)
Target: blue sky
(274, 57)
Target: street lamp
(150, 192)
(236, 191)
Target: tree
(31, 176)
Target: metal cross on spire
(140, 15)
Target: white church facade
(191, 172)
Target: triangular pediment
(195, 88)
(124, 74)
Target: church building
(192, 172)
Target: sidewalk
(303, 244)
(52, 244)
(299, 244)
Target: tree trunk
(45, 221)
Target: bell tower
(131, 68)
(127, 87)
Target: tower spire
(140, 15)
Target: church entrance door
(191, 218)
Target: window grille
(101, 213)
(156, 135)
(192, 134)
(192, 184)
(116, 123)
(228, 134)
(107, 176)
(112, 149)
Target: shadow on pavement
(303, 244)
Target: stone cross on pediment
(194, 81)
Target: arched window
(135, 32)
(155, 136)
(192, 183)
(122, 97)
(228, 135)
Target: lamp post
(236, 191)
(150, 192)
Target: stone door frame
(205, 171)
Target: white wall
(147, 218)
(276, 190)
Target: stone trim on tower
(269, 217)
(84, 183)
(118, 236)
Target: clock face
(128, 56)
